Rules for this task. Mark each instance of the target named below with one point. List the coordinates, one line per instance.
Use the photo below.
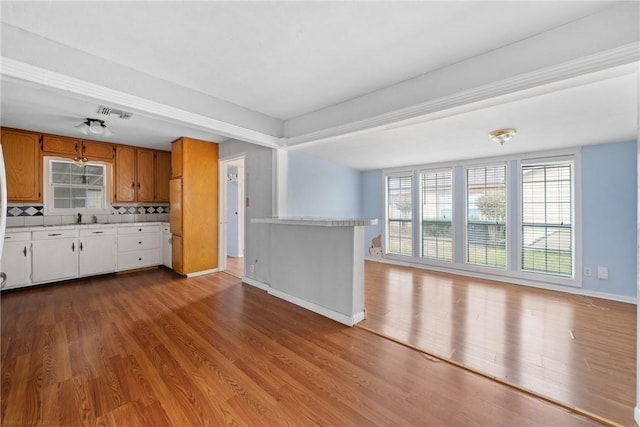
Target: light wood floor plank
(575, 349)
(155, 349)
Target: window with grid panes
(399, 233)
(76, 188)
(436, 191)
(486, 216)
(547, 212)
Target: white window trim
(576, 188)
(48, 194)
(513, 273)
(479, 267)
(385, 201)
(453, 216)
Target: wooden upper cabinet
(97, 150)
(163, 175)
(141, 175)
(72, 147)
(23, 165)
(145, 175)
(125, 174)
(52, 144)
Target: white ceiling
(287, 59)
(585, 114)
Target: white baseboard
(202, 273)
(636, 415)
(256, 283)
(569, 290)
(334, 315)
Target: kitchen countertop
(320, 222)
(81, 226)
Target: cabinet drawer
(54, 234)
(139, 229)
(97, 232)
(138, 259)
(143, 241)
(17, 237)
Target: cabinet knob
(139, 243)
(139, 259)
(24, 251)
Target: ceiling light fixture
(94, 126)
(502, 135)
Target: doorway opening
(232, 178)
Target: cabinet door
(97, 255)
(54, 259)
(16, 264)
(22, 164)
(61, 145)
(125, 180)
(97, 150)
(166, 248)
(163, 175)
(176, 253)
(175, 207)
(145, 174)
(176, 158)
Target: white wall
(258, 165)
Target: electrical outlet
(252, 268)
(587, 271)
(603, 273)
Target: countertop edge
(318, 222)
(80, 226)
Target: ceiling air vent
(108, 111)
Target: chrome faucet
(79, 218)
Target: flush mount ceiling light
(94, 127)
(502, 135)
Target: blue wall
(372, 204)
(321, 189)
(609, 211)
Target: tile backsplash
(31, 215)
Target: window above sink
(70, 188)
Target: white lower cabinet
(16, 259)
(97, 251)
(138, 247)
(55, 255)
(51, 255)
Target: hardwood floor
(235, 266)
(574, 349)
(154, 349)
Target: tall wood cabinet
(23, 164)
(193, 194)
(162, 167)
